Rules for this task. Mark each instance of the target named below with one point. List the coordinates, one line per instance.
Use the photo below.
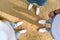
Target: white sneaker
(18, 23)
(42, 30)
(30, 6)
(42, 21)
(37, 11)
(21, 32)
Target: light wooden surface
(9, 17)
(16, 10)
(32, 33)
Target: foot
(37, 10)
(30, 6)
(42, 21)
(42, 30)
(18, 23)
(21, 32)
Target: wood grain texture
(16, 10)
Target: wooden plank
(19, 9)
(9, 17)
(14, 10)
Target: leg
(49, 30)
(13, 25)
(50, 21)
(6, 30)
(56, 27)
(3, 35)
(40, 3)
(17, 34)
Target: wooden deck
(16, 10)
